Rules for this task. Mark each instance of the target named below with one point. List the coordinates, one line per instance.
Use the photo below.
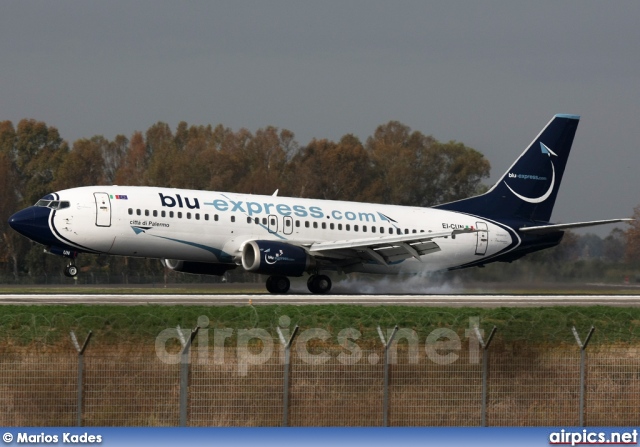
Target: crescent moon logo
(545, 196)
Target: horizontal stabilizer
(561, 227)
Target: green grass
(49, 325)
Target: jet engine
(275, 258)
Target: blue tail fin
(529, 188)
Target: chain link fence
(323, 386)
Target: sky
(489, 74)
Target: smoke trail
(422, 284)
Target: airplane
(206, 232)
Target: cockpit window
(53, 204)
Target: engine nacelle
(275, 258)
(197, 268)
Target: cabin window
(297, 224)
(179, 214)
(399, 231)
(264, 221)
(130, 211)
(139, 213)
(287, 223)
(206, 217)
(188, 215)
(315, 225)
(233, 218)
(256, 221)
(215, 217)
(171, 214)
(306, 224)
(355, 228)
(163, 213)
(146, 213)
(197, 216)
(249, 220)
(347, 227)
(331, 226)
(373, 229)
(155, 213)
(339, 226)
(364, 228)
(324, 225)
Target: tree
(413, 169)
(10, 240)
(632, 252)
(613, 246)
(162, 152)
(326, 170)
(113, 154)
(39, 152)
(132, 171)
(83, 166)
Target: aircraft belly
(174, 246)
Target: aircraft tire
(319, 284)
(278, 284)
(71, 271)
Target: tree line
(395, 165)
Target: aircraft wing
(384, 250)
(561, 227)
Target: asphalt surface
(307, 299)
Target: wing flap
(383, 250)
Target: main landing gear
(278, 284)
(317, 284)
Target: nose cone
(33, 222)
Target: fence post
(485, 368)
(287, 361)
(385, 398)
(184, 372)
(80, 350)
(583, 348)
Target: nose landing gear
(71, 270)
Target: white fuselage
(213, 227)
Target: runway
(364, 300)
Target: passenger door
(483, 238)
(103, 209)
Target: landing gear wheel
(71, 271)
(278, 284)
(319, 284)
